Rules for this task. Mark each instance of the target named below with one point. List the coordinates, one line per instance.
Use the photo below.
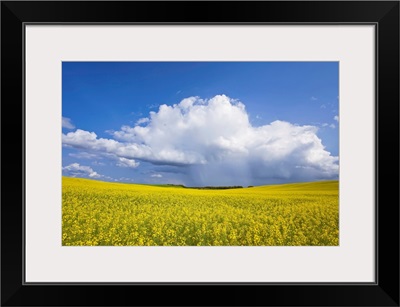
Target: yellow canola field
(103, 213)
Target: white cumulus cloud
(213, 142)
(77, 170)
(124, 162)
(336, 118)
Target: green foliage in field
(102, 213)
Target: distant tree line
(218, 188)
(176, 185)
(209, 187)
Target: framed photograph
(240, 147)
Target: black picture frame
(383, 14)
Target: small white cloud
(314, 98)
(156, 176)
(325, 125)
(66, 123)
(336, 118)
(124, 162)
(153, 106)
(77, 170)
(332, 126)
(125, 179)
(98, 163)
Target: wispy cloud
(142, 121)
(153, 106)
(84, 155)
(125, 179)
(66, 123)
(98, 163)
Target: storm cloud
(214, 143)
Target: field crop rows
(102, 213)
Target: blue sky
(227, 123)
